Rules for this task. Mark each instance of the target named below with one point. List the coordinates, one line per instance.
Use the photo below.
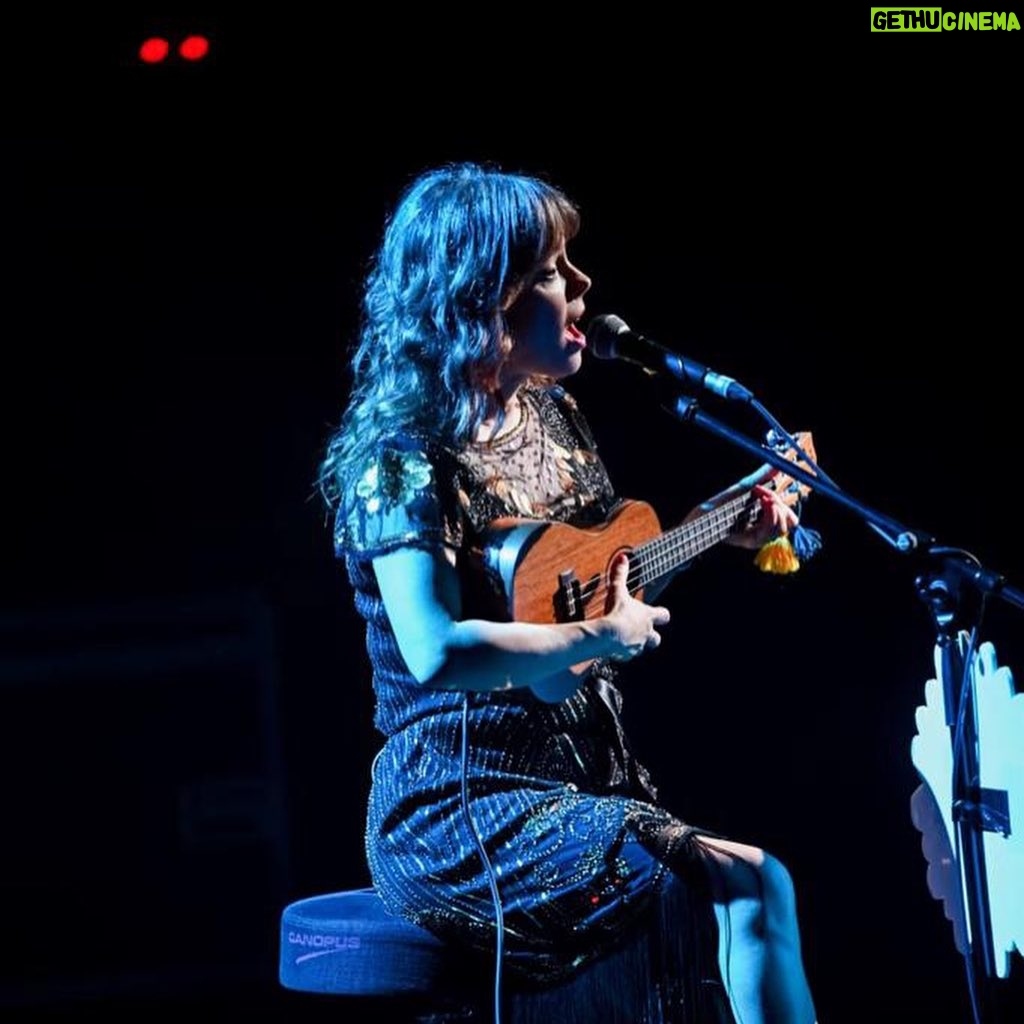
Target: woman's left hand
(775, 519)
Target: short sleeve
(398, 499)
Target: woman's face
(542, 322)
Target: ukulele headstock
(789, 489)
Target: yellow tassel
(777, 556)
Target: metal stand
(956, 609)
(954, 586)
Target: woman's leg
(759, 939)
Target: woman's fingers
(778, 513)
(636, 621)
(618, 573)
(620, 570)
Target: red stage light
(154, 50)
(194, 47)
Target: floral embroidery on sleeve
(396, 479)
(394, 501)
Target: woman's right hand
(631, 623)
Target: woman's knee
(776, 874)
(748, 872)
(777, 884)
(778, 902)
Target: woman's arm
(420, 590)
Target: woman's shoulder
(395, 457)
(561, 412)
(552, 400)
(396, 495)
(550, 391)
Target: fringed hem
(667, 973)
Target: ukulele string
(660, 556)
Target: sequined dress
(569, 818)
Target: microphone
(609, 337)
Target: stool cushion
(348, 943)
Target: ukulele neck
(666, 553)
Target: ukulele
(548, 572)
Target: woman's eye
(547, 273)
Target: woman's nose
(579, 283)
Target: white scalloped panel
(932, 754)
(1000, 724)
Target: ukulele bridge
(572, 596)
(569, 597)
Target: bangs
(547, 220)
(560, 217)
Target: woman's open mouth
(575, 336)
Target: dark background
(830, 216)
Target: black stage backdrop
(831, 216)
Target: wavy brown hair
(455, 253)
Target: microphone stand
(954, 586)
